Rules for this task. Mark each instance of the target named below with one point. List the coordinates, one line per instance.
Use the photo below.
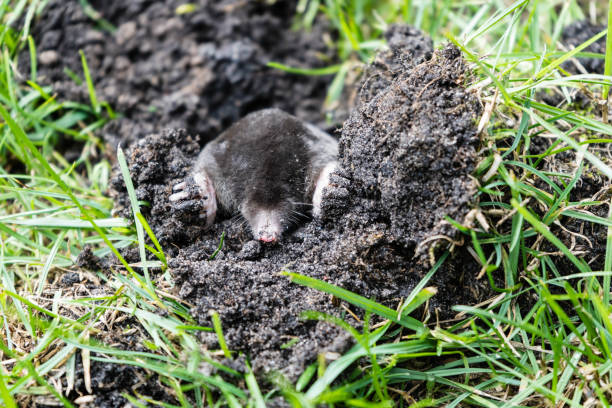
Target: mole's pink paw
(322, 182)
(196, 194)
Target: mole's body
(266, 166)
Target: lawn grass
(556, 351)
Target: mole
(270, 167)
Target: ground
(408, 154)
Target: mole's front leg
(196, 193)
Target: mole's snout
(266, 225)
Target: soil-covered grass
(463, 257)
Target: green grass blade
(90, 86)
(33, 59)
(219, 331)
(356, 300)
(125, 172)
(332, 69)
(601, 166)
(7, 399)
(420, 294)
(251, 382)
(45, 271)
(23, 139)
(556, 63)
(608, 60)
(543, 229)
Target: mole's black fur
(262, 159)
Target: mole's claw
(179, 186)
(195, 194)
(188, 205)
(179, 196)
(322, 182)
(207, 194)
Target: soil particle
(70, 278)
(201, 70)
(48, 57)
(87, 260)
(406, 154)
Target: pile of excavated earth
(406, 154)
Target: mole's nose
(267, 238)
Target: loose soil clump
(406, 154)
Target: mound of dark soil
(406, 155)
(201, 70)
(407, 152)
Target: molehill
(406, 154)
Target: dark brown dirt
(406, 154)
(579, 32)
(418, 168)
(200, 71)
